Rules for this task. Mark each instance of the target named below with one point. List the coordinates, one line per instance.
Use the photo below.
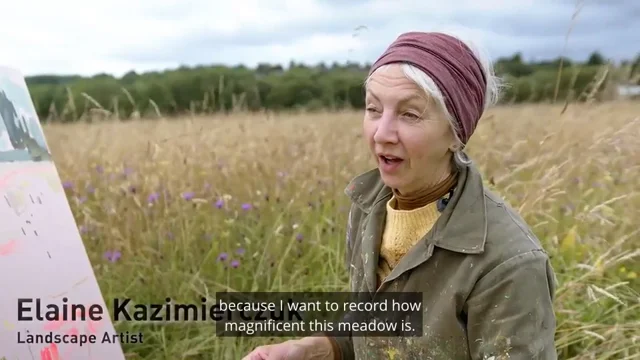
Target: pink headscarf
(453, 67)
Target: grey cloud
(201, 45)
(613, 45)
(553, 20)
(537, 32)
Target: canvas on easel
(42, 255)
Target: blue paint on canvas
(21, 136)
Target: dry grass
(573, 176)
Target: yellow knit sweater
(403, 229)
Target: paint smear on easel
(8, 248)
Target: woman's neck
(425, 196)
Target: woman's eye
(411, 115)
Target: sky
(116, 36)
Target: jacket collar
(462, 226)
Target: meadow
(186, 207)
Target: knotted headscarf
(452, 66)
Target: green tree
(218, 88)
(595, 59)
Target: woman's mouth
(387, 159)
(389, 164)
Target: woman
(424, 222)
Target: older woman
(423, 221)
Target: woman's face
(407, 133)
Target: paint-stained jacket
(487, 284)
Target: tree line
(217, 88)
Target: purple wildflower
(99, 169)
(246, 206)
(235, 263)
(153, 197)
(240, 251)
(188, 195)
(220, 203)
(112, 256)
(82, 199)
(67, 185)
(223, 257)
(299, 237)
(91, 189)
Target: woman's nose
(386, 131)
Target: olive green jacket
(487, 284)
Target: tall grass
(255, 203)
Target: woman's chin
(392, 181)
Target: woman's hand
(309, 348)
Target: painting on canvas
(42, 256)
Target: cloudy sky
(115, 36)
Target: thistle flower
(153, 197)
(112, 256)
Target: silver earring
(461, 158)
